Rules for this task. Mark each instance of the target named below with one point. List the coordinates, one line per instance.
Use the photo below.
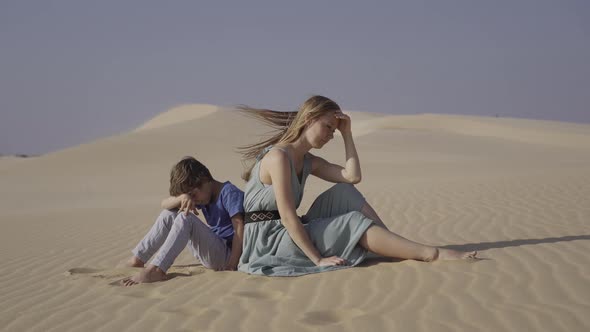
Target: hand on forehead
(338, 115)
(332, 118)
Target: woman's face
(321, 130)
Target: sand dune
(565, 135)
(179, 114)
(517, 190)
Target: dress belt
(257, 216)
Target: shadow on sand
(513, 243)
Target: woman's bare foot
(451, 255)
(134, 261)
(151, 273)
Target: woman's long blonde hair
(287, 126)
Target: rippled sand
(516, 190)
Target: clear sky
(74, 71)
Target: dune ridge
(178, 114)
(566, 135)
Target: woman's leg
(340, 199)
(153, 240)
(370, 213)
(343, 198)
(383, 242)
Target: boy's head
(191, 177)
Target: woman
(340, 227)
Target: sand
(516, 190)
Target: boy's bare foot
(451, 255)
(151, 273)
(134, 262)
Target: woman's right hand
(344, 125)
(187, 205)
(331, 261)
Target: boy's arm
(183, 202)
(171, 202)
(236, 249)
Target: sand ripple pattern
(524, 206)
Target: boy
(217, 244)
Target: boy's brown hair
(187, 175)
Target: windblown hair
(287, 126)
(187, 175)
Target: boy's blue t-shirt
(229, 203)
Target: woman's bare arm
(351, 173)
(279, 169)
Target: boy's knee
(167, 217)
(168, 213)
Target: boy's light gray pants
(172, 231)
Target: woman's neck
(300, 147)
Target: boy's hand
(187, 205)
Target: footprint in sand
(261, 295)
(329, 317)
(257, 279)
(193, 312)
(109, 274)
(117, 274)
(172, 273)
(149, 294)
(187, 270)
(81, 270)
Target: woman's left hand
(343, 123)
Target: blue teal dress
(334, 224)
